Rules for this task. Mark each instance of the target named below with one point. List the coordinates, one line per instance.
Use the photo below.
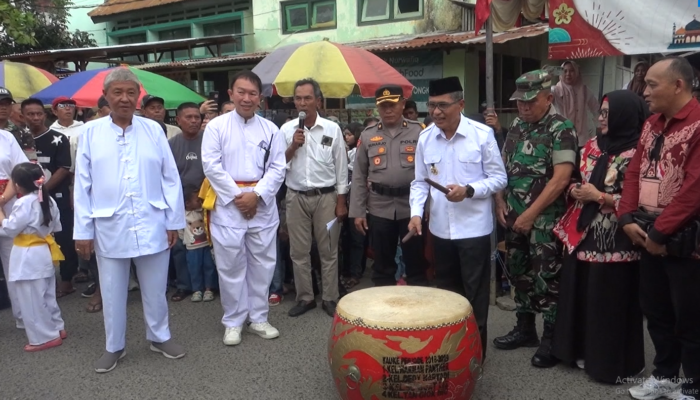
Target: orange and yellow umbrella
(23, 80)
(340, 70)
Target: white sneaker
(652, 389)
(677, 395)
(264, 330)
(232, 336)
(581, 364)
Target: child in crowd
(352, 135)
(200, 263)
(33, 219)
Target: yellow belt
(31, 240)
(208, 196)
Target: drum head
(397, 307)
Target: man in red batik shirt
(660, 201)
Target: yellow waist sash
(31, 240)
(208, 196)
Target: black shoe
(329, 307)
(302, 308)
(90, 291)
(523, 335)
(543, 358)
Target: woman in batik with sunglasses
(599, 325)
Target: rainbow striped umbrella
(23, 79)
(86, 88)
(339, 70)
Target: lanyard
(269, 142)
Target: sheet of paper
(329, 225)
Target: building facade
(422, 39)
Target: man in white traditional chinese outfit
(243, 159)
(128, 206)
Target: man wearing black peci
(462, 156)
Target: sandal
(31, 348)
(94, 308)
(180, 295)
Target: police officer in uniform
(381, 184)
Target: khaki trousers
(307, 214)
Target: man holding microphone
(317, 185)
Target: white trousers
(40, 312)
(152, 271)
(5, 249)
(245, 259)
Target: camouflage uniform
(23, 136)
(530, 152)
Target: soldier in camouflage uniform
(23, 136)
(539, 154)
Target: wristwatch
(257, 194)
(470, 191)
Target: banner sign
(595, 28)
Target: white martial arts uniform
(127, 195)
(32, 271)
(10, 155)
(233, 152)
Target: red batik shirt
(670, 186)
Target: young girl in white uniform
(33, 219)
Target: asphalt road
(290, 367)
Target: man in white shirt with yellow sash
(243, 160)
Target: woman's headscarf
(575, 102)
(636, 86)
(626, 118)
(356, 129)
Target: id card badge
(649, 193)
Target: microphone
(302, 117)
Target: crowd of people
(599, 217)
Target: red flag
(482, 11)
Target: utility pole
(490, 109)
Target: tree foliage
(35, 25)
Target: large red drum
(404, 342)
